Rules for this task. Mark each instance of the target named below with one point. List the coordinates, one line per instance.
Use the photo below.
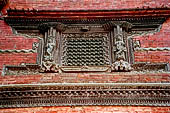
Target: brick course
(85, 78)
(158, 39)
(89, 109)
(86, 4)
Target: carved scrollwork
(50, 66)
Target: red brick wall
(86, 4)
(8, 40)
(85, 78)
(89, 109)
(11, 41)
(159, 39)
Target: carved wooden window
(86, 47)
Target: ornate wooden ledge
(80, 94)
(31, 69)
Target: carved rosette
(50, 58)
(119, 45)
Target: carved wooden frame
(120, 26)
(114, 32)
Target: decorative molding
(23, 69)
(18, 51)
(153, 49)
(84, 94)
(34, 49)
(137, 68)
(144, 67)
(90, 14)
(141, 19)
(85, 68)
(25, 35)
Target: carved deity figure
(120, 50)
(50, 47)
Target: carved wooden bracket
(52, 33)
(120, 45)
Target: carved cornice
(90, 14)
(32, 69)
(84, 94)
(146, 19)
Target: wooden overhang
(88, 14)
(141, 19)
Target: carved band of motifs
(94, 94)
